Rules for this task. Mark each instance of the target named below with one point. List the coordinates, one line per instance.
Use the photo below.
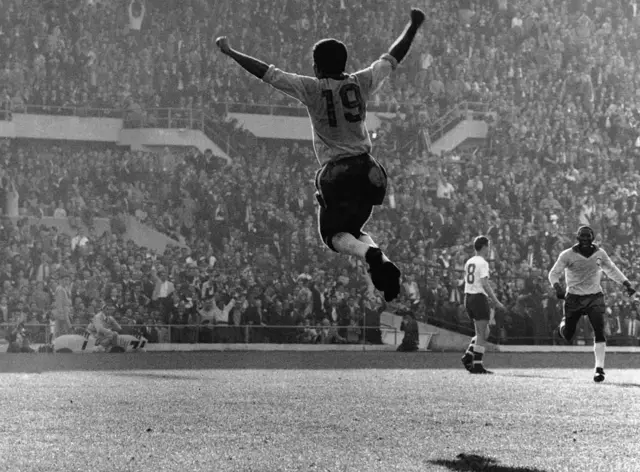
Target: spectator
(555, 125)
(19, 340)
(4, 310)
(62, 311)
(410, 341)
(253, 317)
(371, 321)
(79, 241)
(162, 292)
(329, 333)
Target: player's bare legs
(480, 346)
(348, 244)
(385, 275)
(365, 238)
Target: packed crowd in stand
(99, 53)
(560, 77)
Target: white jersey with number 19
(475, 270)
(337, 107)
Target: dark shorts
(477, 305)
(577, 306)
(347, 191)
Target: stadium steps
(154, 138)
(171, 127)
(471, 143)
(466, 121)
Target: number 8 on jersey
(475, 270)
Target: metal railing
(259, 109)
(215, 131)
(182, 118)
(462, 111)
(65, 110)
(40, 334)
(232, 334)
(220, 107)
(165, 118)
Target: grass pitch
(317, 411)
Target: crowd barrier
(219, 337)
(238, 334)
(249, 333)
(462, 111)
(218, 107)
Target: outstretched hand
(417, 17)
(223, 43)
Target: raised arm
(372, 77)
(296, 86)
(228, 307)
(401, 46)
(250, 64)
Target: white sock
(599, 351)
(478, 354)
(346, 243)
(471, 345)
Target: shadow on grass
(536, 376)
(623, 385)
(473, 463)
(156, 376)
(428, 362)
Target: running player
(477, 291)
(350, 182)
(582, 266)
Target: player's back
(337, 106)
(475, 269)
(338, 112)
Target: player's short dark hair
(480, 242)
(330, 56)
(586, 231)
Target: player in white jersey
(477, 292)
(350, 181)
(582, 266)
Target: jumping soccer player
(582, 267)
(350, 182)
(477, 291)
